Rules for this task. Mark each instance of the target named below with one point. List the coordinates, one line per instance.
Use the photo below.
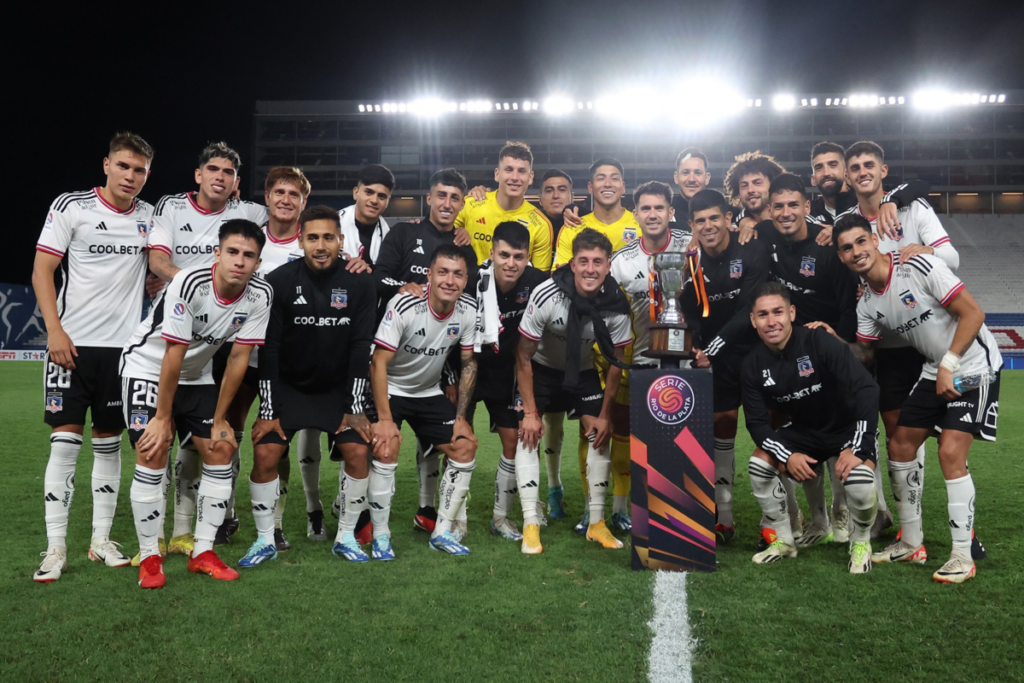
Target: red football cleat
(364, 536)
(209, 563)
(151, 572)
(425, 519)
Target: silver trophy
(671, 340)
(669, 267)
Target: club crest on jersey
(139, 421)
(908, 299)
(453, 332)
(523, 296)
(238, 320)
(629, 234)
(179, 309)
(339, 298)
(142, 228)
(804, 367)
(807, 266)
(54, 403)
(736, 269)
(899, 232)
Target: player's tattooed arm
(467, 383)
(864, 352)
(161, 265)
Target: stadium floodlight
(429, 107)
(559, 105)
(634, 105)
(814, 101)
(901, 100)
(1002, 98)
(783, 102)
(932, 99)
(362, 108)
(700, 102)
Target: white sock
(236, 467)
(554, 435)
(814, 489)
(428, 466)
(838, 492)
(599, 466)
(282, 496)
(725, 475)
(211, 505)
(59, 485)
(381, 490)
(528, 482)
(505, 487)
(352, 496)
(960, 493)
(863, 502)
(907, 489)
(165, 491)
(452, 493)
(791, 505)
(307, 445)
(147, 498)
(264, 500)
(106, 482)
(187, 468)
(770, 494)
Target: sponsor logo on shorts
(670, 400)
(138, 421)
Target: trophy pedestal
(671, 343)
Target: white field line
(672, 645)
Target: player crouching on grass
(166, 382)
(313, 375)
(832, 402)
(413, 340)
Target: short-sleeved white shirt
(188, 233)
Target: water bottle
(972, 381)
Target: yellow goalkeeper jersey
(480, 218)
(620, 233)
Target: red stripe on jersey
(49, 250)
(172, 338)
(111, 206)
(951, 294)
(205, 212)
(625, 343)
(160, 247)
(434, 313)
(888, 278)
(651, 253)
(273, 239)
(389, 347)
(249, 342)
(528, 335)
(467, 348)
(939, 242)
(221, 300)
(866, 337)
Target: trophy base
(671, 341)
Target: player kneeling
(313, 375)
(832, 401)
(166, 382)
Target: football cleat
(775, 551)
(460, 530)
(724, 533)
(364, 528)
(766, 538)
(208, 563)
(348, 547)
(137, 560)
(425, 519)
(315, 530)
(281, 541)
(977, 549)
(259, 552)
(555, 508)
(181, 545)
(151, 572)
(106, 551)
(584, 523)
(55, 561)
(860, 557)
(382, 549)
(883, 520)
(446, 542)
(813, 535)
(506, 528)
(957, 570)
(226, 530)
(531, 540)
(600, 533)
(898, 551)
(841, 525)
(622, 522)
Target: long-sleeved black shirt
(901, 195)
(319, 335)
(817, 382)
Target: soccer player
(957, 393)
(184, 233)
(413, 339)
(832, 405)
(732, 274)
(166, 383)
(503, 289)
(362, 224)
(566, 315)
(609, 217)
(747, 182)
(102, 234)
(313, 375)
(555, 197)
(514, 175)
(691, 176)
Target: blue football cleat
(584, 524)
(448, 544)
(622, 521)
(349, 548)
(555, 509)
(382, 548)
(259, 552)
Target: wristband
(950, 361)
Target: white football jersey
(188, 233)
(918, 225)
(189, 311)
(103, 268)
(912, 306)
(546, 319)
(421, 340)
(631, 268)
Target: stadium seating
(991, 254)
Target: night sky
(181, 78)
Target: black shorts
(897, 371)
(432, 418)
(192, 409)
(822, 446)
(220, 363)
(726, 393)
(497, 391)
(975, 412)
(551, 397)
(347, 436)
(94, 385)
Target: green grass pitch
(575, 613)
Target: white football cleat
(55, 561)
(898, 551)
(957, 570)
(776, 550)
(106, 551)
(841, 525)
(860, 557)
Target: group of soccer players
(536, 312)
